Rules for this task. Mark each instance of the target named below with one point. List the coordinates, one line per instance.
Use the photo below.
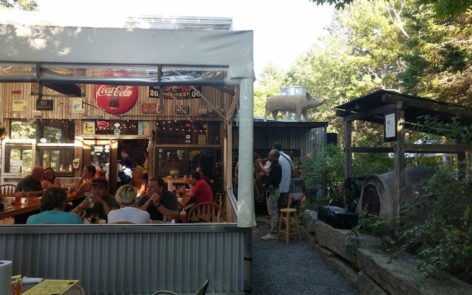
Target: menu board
(178, 92)
(47, 287)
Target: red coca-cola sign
(116, 99)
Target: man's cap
(100, 182)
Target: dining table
(21, 208)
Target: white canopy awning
(205, 56)
(33, 43)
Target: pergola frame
(409, 111)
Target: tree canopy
(401, 45)
(443, 8)
(20, 4)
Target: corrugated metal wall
(136, 259)
(306, 140)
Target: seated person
(30, 185)
(50, 179)
(102, 201)
(128, 213)
(159, 202)
(297, 197)
(53, 203)
(201, 191)
(85, 183)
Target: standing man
(271, 180)
(159, 202)
(286, 163)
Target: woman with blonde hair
(128, 212)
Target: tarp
(127, 46)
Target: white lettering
(106, 90)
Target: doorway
(136, 148)
(105, 155)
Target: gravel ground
(291, 269)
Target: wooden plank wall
(63, 105)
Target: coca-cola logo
(116, 99)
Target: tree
(359, 55)
(270, 83)
(438, 55)
(443, 8)
(20, 4)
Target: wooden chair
(7, 190)
(205, 212)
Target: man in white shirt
(286, 162)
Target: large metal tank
(378, 193)
(293, 90)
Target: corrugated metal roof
(415, 107)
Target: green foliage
(328, 173)
(270, 84)
(443, 8)
(444, 240)
(20, 4)
(448, 8)
(374, 225)
(438, 55)
(339, 4)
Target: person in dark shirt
(159, 202)
(30, 186)
(100, 203)
(271, 180)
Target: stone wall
(370, 270)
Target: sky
(283, 29)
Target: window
(52, 131)
(58, 156)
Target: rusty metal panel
(131, 259)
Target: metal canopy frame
(162, 56)
(145, 75)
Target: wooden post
(399, 161)
(347, 149)
(461, 165)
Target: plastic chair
(164, 292)
(200, 291)
(7, 190)
(205, 212)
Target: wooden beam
(381, 110)
(451, 110)
(399, 162)
(461, 159)
(347, 149)
(341, 113)
(232, 108)
(366, 150)
(415, 148)
(436, 148)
